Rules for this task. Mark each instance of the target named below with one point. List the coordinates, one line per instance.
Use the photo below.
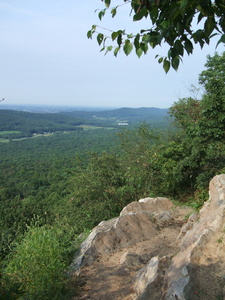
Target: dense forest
(63, 173)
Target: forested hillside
(56, 187)
(29, 123)
(155, 117)
(16, 124)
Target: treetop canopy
(170, 22)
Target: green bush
(37, 264)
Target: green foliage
(72, 181)
(186, 113)
(30, 123)
(202, 125)
(36, 265)
(212, 123)
(214, 76)
(138, 159)
(45, 177)
(170, 22)
(200, 196)
(36, 175)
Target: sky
(46, 59)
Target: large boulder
(136, 223)
(158, 253)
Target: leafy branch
(171, 23)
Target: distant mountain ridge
(58, 109)
(36, 122)
(151, 115)
(142, 111)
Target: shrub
(37, 264)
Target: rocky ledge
(153, 251)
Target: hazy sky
(46, 58)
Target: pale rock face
(165, 260)
(147, 277)
(150, 205)
(136, 223)
(199, 243)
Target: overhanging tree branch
(171, 22)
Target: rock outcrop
(198, 270)
(153, 251)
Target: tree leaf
(119, 40)
(107, 3)
(100, 38)
(188, 46)
(209, 26)
(166, 65)
(139, 52)
(114, 35)
(144, 47)
(116, 51)
(175, 63)
(101, 14)
(154, 14)
(113, 12)
(180, 27)
(221, 40)
(146, 38)
(109, 48)
(179, 47)
(139, 15)
(198, 37)
(89, 34)
(136, 41)
(128, 47)
(200, 16)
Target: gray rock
(150, 205)
(200, 247)
(147, 278)
(196, 241)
